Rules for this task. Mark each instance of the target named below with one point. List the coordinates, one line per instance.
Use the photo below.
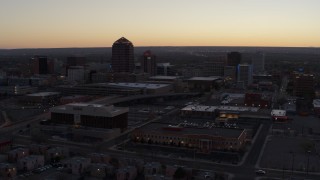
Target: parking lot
(285, 152)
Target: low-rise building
(7, 171)
(91, 115)
(16, 154)
(31, 162)
(205, 84)
(55, 154)
(203, 139)
(38, 149)
(77, 165)
(99, 170)
(279, 115)
(127, 173)
(152, 168)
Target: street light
(308, 162)
(292, 162)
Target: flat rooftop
(211, 78)
(41, 94)
(223, 108)
(316, 103)
(139, 85)
(278, 112)
(172, 129)
(164, 77)
(90, 109)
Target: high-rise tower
(122, 56)
(148, 63)
(39, 65)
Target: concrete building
(203, 139)
(244, 74)
(76, 74)
(122, 59)
(148, 63)
(31, 162)
(206, 84)
(215, 66)
(91, 115)
(75, 61)
(165, 69)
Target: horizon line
(159, 46)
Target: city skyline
(58, 24)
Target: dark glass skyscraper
(39, 65)
(122, 56)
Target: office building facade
(122, 59)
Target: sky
(98, 23)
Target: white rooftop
(139, 85)
(211, 78)
(316, 103)
(223, 108)
(164, 77)
(278, 112)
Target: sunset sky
(98, 23)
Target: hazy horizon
(85, 24)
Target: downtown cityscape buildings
(142, 114)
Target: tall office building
(244, 74)
(148, 63)
(258, 62)
(234, 59)
(39, 65)
(303, 85)
(122, 59)
(215, 66)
